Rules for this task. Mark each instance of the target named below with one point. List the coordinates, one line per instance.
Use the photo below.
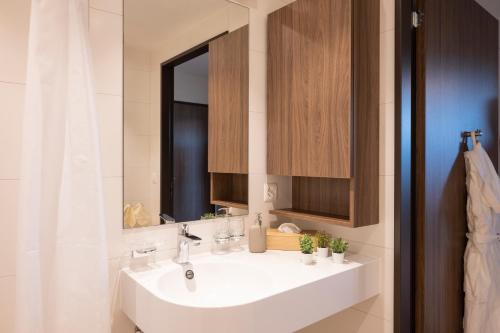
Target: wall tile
(8, 226)
(155, 119)
(113, 203)
(347, 321)
(258, 83)
(387, 13)
(114, 6)
(137, 153)
(386, 209)
(268, 6)
(136, 59)
(136, 86)
(257, 146)
(109, 109)
(11, 114)
(238, 16)
(137, 118)
(155, 85)
(14, 18)
(387, 139)
(258, 32)
(106, 41)
(7, 304)
(387, 67)
(381, 306)
(137, 186)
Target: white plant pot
(307, 259)
(338, 258)
(322, 252)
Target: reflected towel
(136, 216)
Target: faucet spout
(184, 240)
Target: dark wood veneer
(323, 106)
(228, 103)
(457, 90)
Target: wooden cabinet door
(228, 103)
(309, 89)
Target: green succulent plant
(323, 239)
(208, 216)
(306, 244)
(339, 245)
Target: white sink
(215, 284)
(243, 292)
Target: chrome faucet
(184, 239)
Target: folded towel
(136, 216)
(289, 228)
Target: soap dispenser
(257, 236)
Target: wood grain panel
(457, 90)
(323, 106)
(321, 88)
(228, 103)
(366, 124)
(309, 82)
(229, 189)
(279, 92)
(323, 195)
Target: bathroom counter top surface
(241, 285)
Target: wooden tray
(286, 242)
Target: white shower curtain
(62, 277)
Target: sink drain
(189, 274)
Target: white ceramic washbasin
(245, 293)
(215, 284)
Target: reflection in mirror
(185, 110)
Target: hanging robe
(482, 255)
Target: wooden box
(286, 242)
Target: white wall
(105, 18)
(13, 56)
(136, 126)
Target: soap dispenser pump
(257, 236)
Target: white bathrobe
(482, 256)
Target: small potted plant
(323, 240)
(338, 246)
(306, 247)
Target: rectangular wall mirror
(185, 110)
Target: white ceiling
(149, 22)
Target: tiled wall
(14, 18)
(136, 126)
(105, 19)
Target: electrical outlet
(270, 192)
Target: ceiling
(149, 22)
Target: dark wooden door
(457, 90)
(191, 182)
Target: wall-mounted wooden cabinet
(228, 103)
(228, 119)
(323, 108)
